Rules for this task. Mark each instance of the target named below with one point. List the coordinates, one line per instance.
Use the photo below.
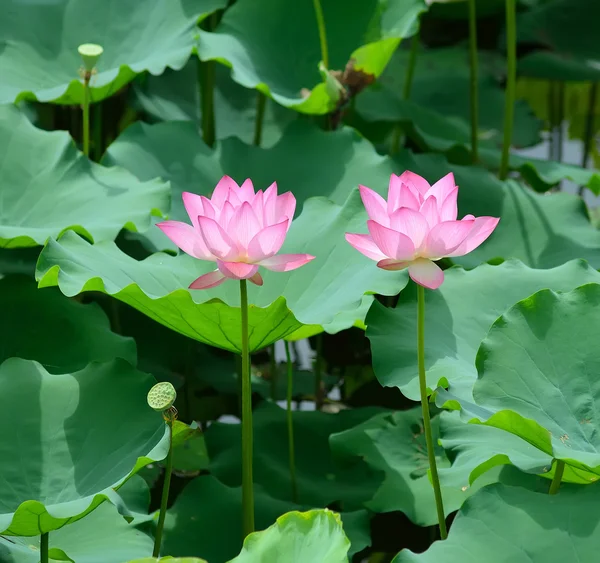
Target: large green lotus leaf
(476, 448)
(539, 364)
(206, 520)
(61, 334)
(316, 535)
(40, 61)
(320, 480)
(394, 443)
(441, 86)
(457, 318)
(543, 231)
(101, 537)
(284, 66)
(447, 133)
(175, 96)
(61, 190)
(83, 434)
(316, 294)
(566, 30)
(507, 524)
(157, 287)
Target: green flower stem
(319, 373)
(290, 422)
(589, 129)
(86, 113)
(247, 484)
(273, 368)
(206, 82)
(44, 548)
(98, 132)
(261, 102)
(558, 473)
(511, 84)
(589, 125)
(165, 492)
(412, 63)
(322, 32)
(408, 82)
(425, 408)
(551, 118)
(560, 117)
(474, 80)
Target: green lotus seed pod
(162, 396)
(90, 53)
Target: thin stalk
(98, 132)
(261, 102)
(44, 548)
(558, 473)
(511, 84)
(560, 117)
(273, 373)
(206, 83)
(165, 492)
(319, 373)
(590, 122)
(589, 125)
(86, 113)
(412, 63)
(247, 484)
(290, 422)
(425, 408)
(407, 89)
(474, 80)
(551, 118)
(322, 32)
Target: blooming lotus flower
(417, 225)
(239, 230)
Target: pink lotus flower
(416, 226)
(239, 230)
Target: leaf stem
(511, 83)
(86, 113)
(273, 367)
(589, 124)
(44, 548)
(322, 32)
(261, 102)
(425, 409)
(290, 422)
(412, 63)
(560, 117)
(206, 83)
(319, 373)
(97, 132)
(558, 473)
(551, 118)
(407, 89)
(165, 491)
(474, 80)
(247, 436)
(590, 120)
